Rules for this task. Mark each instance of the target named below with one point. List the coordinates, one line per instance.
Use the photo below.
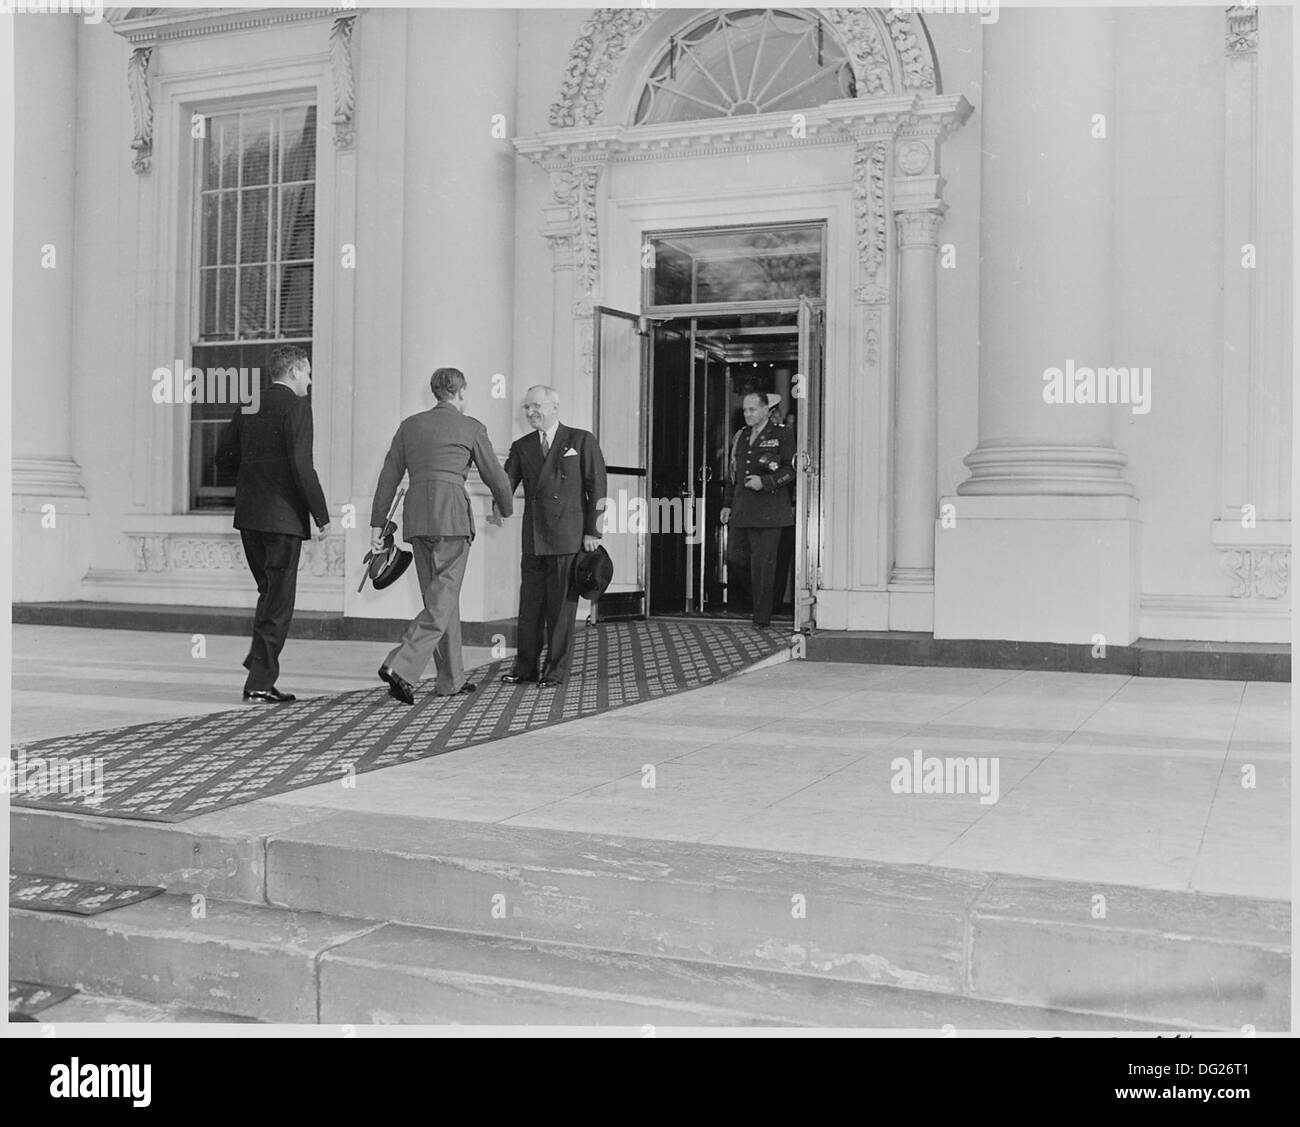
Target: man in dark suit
(275, 491)
(563, 474)
(437, 448)
(756, 502)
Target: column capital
(920, 228)
(918, 209)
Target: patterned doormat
(65, 894)
(27, 998)
(176, 769)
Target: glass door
(619, 415)
(808, 509)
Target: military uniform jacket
(276, 486)
(437, 447)
(563, 494)
(771, 458)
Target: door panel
(808, 509)
(670, 461)
(620, 410)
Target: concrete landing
(1135, 865)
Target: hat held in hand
(592, 573)
(385, 566)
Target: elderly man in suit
(436, 447)
(563, 474)
(276, 488)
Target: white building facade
(1023, 285)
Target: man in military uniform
(756, 504)
(436, 447)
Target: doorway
(701, 368)
(727, 312)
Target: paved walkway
(1100, 778)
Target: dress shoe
(549, 683)
(398, 687)
(511, 679)
(467, 687)
(268, 696)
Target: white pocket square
(570, 453)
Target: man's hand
(376, 539)
(495, 516)
(725, 516)
(754, 482)
(589, 543)
(323, 531)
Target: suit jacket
(270, 452)
(771, 458)
(562, 496)
(436, 447)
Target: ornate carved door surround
(892, 133)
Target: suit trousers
(752, 552)
(548, 604)
(440, 565)
(273, 559)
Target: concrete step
(175, 950)
(1178, 957)
(157, 962)
(412, 975)
(1147, 657)
(90, 1008)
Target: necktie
(546, 446)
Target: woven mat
(80, 897)
(28, 998)
(176, 769)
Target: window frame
(192, 188)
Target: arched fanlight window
(758, 60)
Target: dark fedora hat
(385, 568)
(592, 573)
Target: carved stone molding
(884, 46)
(150, 553)
(344, 81)
(913, 157)
(137, 81)
(162, 553)
(920, 228)
(871, 295)
(871, 339)
(156, 25)
(593, 59)
(859, 32)
(1243, 29)
(869, 215)
(574, 188)
(323, 558)
(1258, 573)
(918, 73)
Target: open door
(808, 508)
(619, 416)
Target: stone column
(48, 495)
(1041, 542)
(918, 218)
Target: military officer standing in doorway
(756, 503)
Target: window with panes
(256, 229)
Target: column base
(1001, 470)
(1039, 569)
